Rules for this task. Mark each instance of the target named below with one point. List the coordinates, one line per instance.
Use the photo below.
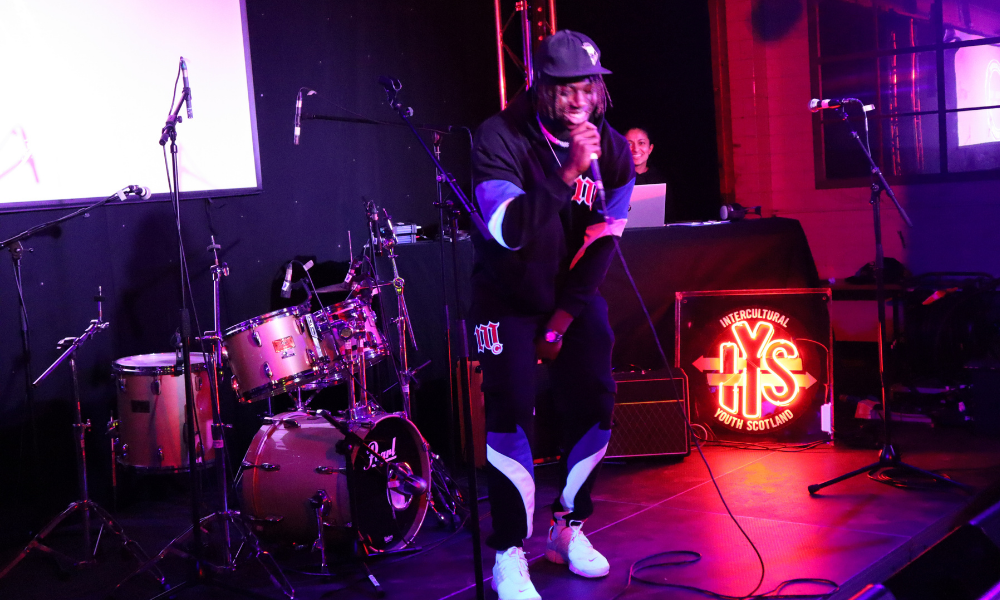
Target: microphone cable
(689, 556)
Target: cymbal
(347, 287)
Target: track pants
(583, 390)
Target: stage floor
(853, 533)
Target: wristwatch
(552, 336)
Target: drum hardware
(111, 430)
(87, 506)
(410, 484)
(446, 499)
(236, 530)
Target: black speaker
(651, 415)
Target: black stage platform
(856, 532)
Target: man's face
(638, 143)
(574, 102)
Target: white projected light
(977, 83)
(87, 88)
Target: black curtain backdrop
(661, 62)
(443, 51)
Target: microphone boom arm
(405, 113)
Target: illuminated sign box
(758, 362)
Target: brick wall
(957, 226)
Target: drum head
(388, 518)
(161, 362)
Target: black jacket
(548, 244)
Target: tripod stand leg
(818, 486)
(929, 475)
(277, 576)
(379, 592)
(64, 562)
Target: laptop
(647, 206)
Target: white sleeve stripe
(597, 231)
(496, 223)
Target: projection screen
(87, 88)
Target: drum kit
(367, 477)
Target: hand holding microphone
(584, 150)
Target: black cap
(568, 55)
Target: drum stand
(84, 504)
(446, 499)
(231, 521)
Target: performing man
(535, 296)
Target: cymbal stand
(446, 498)
(84, 504)
(231, 520)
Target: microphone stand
(201, 570)
(888, 457)
(84, 504)
(16, 248)
(463, 335)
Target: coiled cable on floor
(688, 557)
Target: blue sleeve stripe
(618, 200)
(494, 196)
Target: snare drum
(152, 431)
(294, 455)
(274, 353)
(345, 324)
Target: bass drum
(295, 455)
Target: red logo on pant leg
(488, 338)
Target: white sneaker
(567, 544)
(510, 576)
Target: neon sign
(756, 371)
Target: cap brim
(576, 74)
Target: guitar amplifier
(651, 415)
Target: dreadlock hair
(545, 95)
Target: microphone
(286, 287)
(816, 105)
(298, 114)
(599, 183)
(141, 191)
(735, 212)
(390, 83)
(187, 86)
(411, 486)
(350, 271)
